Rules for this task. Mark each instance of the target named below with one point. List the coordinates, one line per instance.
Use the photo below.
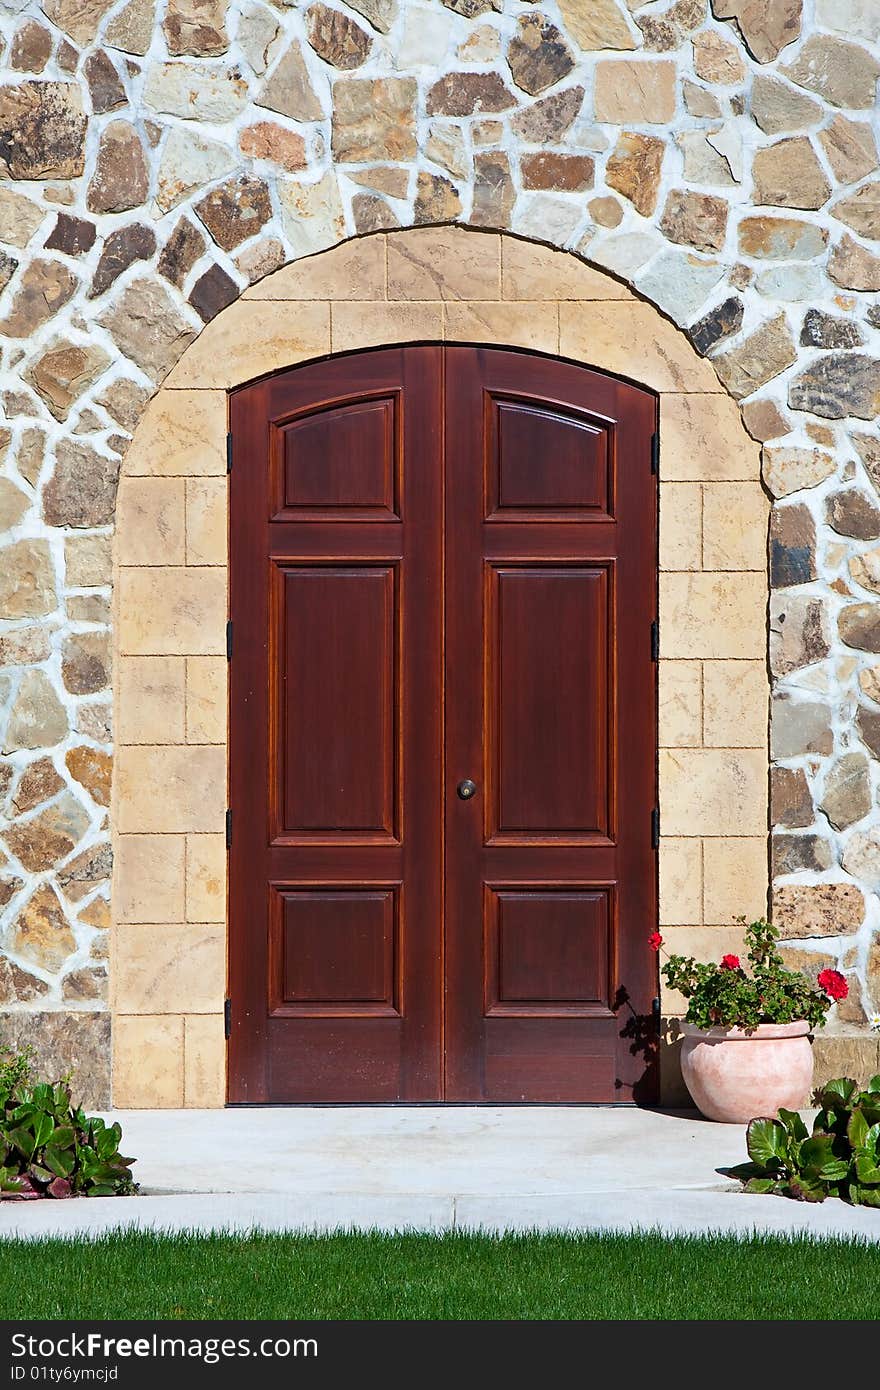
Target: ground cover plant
(451, 1276)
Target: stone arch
(445, 284)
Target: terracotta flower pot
(733, 1075)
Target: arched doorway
(443, 577)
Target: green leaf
(867, 1170)
(793, 1123)
(804, 1191)
(857, 1130)
(766, 1142)
(836, 1093)
(23, 1140)
(760, 1185)
(61, 1161)
(873, 1085)
(44, 1128)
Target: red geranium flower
(833, 984)
(730, 962)
(655, 941)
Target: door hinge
(229, 640)
(227, 1016)
(655, 452)
(655, 1012)
(228, 828)
(655, 828)
(229, 451)
(655, 640)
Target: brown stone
(64, 371)
(640, 93)
(289, 90)
(764, 420)
(122, 178)
(791, 804)
(91, 867)
(717, 59)
(859, 626)
(372, 214)
(695, 219)
(181, 251)
(196, 27)
(79, 19)
(24, 645)
(72, 235)
(42, 131)
(97, 915)
(124, 400)
(67, 1042)
(837, 385)
(148, 327)
(789, 175)
(40, 932)
(827, 331)
(384, 178)
(776, 107)
(44, 287)
(261, 258)
(374, 118)
(605, 212)
(236, 210)
(37, 784)
(494, 191)
(437, 199)
(781, 238)
(853, 266)
(121, 249)
(213, 291)
(545, 122)
(38, 718)
(336, 37)
(19, 986)
(861, 211)
(867, 447)
(9, 886)
(850, 147)
(275, 143)
(847, 795)
(31, 47)
(865, 570)
(634, 169)
(85, 984)
(66, 57)
(471, 9)
(851, 512)
(792, 854)
(82, 489)
(48, 836)
(105, 87)
(803, 910)
(845, 74)
(538, 55)
(85, 662)
(792, 546)
(720, 323)
(698, 101)
(468, 93)
(381, 13)
(798, 632)
(762, 356)
(27, 580)
(569, 173)
(93, 770)
(767, 26)
(787, 470)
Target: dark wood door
(442, 570)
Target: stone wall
(155, 161)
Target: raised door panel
(549, 949)
(339, 463)
(334, 951)
(545, 462)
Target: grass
(455, 1276)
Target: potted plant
(746, 1049)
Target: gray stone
(546, 121)
(720, 323)
(791, 803)
(38, 718)
(828, 331)
(121, 249)
(538, 55)
(122, 178)
(258, 31)
(188, 163)
(380, 13)
(787, 470)
(82, 489)
(763, 355)
(776, 107)
(65, 1041)
(679, 283)
(798, 727)
(850, 512)
(847, 795)
(859, 626)
(861, 858)
(792, 854)
(781, 238)
(792, 546)
(798, 632)
(148, 327)
(42, 131)
(289, 89)
(838, 385)
(843, 73)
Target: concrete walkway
(430, 1169)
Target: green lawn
(141, 1275)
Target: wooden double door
(442, 731)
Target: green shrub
(48, 1146)
(841, 1158)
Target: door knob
(466, 789)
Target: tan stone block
(206, 521)
(171, 789)
(172, 612)
(681, 881)
(534, 272)
(630, 91)
(735, 879)
(708, 791)
(525, 325)
(355, 270)
(430, 263)
(845, 1055)
(182, 434)
(702, 438)
(681, 704)
(88, 561)
(632, 339)
(151, 699)
(204, 1085)
(735, 527)
(249, 339)
(205, 878)
(705, 944)
(713, 615)
(170, 969)
(735, 704)
(681, 524)
(372, 325)
(150, 528)
(206, 699)
(147, 1062)
(148, 878)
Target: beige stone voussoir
(182, 434)
(539, 273)
(633, 341)
(172, 612)
(250, 339)
(170, 969)
(361, 325)
(170, 790)
(204, 1084)
(701, 438)
(354, 270)
(444, 263)
(148, 1062)
(523, 325)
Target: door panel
(442, 566)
